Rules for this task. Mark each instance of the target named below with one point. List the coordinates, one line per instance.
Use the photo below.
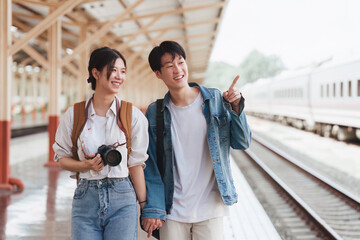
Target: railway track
(301, 203)
(20, 132)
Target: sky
(300, 32)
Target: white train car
(290, 98)
(257, 96)
(335, 99)
(324, 99)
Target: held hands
(233, 95)
(151, 224)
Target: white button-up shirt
(103, 130)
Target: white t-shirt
(104, 130)
(196, 194)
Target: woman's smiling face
(116, 79)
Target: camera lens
(109, 155)
(113, 157)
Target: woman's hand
(151, 224)
(93, 162)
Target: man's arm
(240, 134)
(153, 213)
(155, 206)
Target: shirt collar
(91, 110)
(113, 105)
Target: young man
(200, 125)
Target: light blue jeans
(104, 209)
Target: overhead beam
(140, 31)
(48, 21)
(131, 14)
(172, 12)
(180, 26)
(47, 4)
(73, 70)
(101, 32)
(138, 53)
(187, 37)
(41, 39)
(39, 17)
(36, 56)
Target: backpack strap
(160, 137)
(124, 121)
(80, 117)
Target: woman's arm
(138, 180)
(95, 164)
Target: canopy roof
(133, 27)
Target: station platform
(43, 209)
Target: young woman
(104, 204)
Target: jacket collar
(205, 93)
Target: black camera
(109, 155)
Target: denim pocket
(81, 189)
(123, 186)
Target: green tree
(219, 74)
(256, 65)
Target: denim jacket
(225, 129)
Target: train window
(327, 90)
(341, 89)
(322, 90)
(358, 87)
(334, 90)
(349, 88)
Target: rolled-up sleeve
(63, 143)
(139, 139)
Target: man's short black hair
(165, 47)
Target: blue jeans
(104, 209)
